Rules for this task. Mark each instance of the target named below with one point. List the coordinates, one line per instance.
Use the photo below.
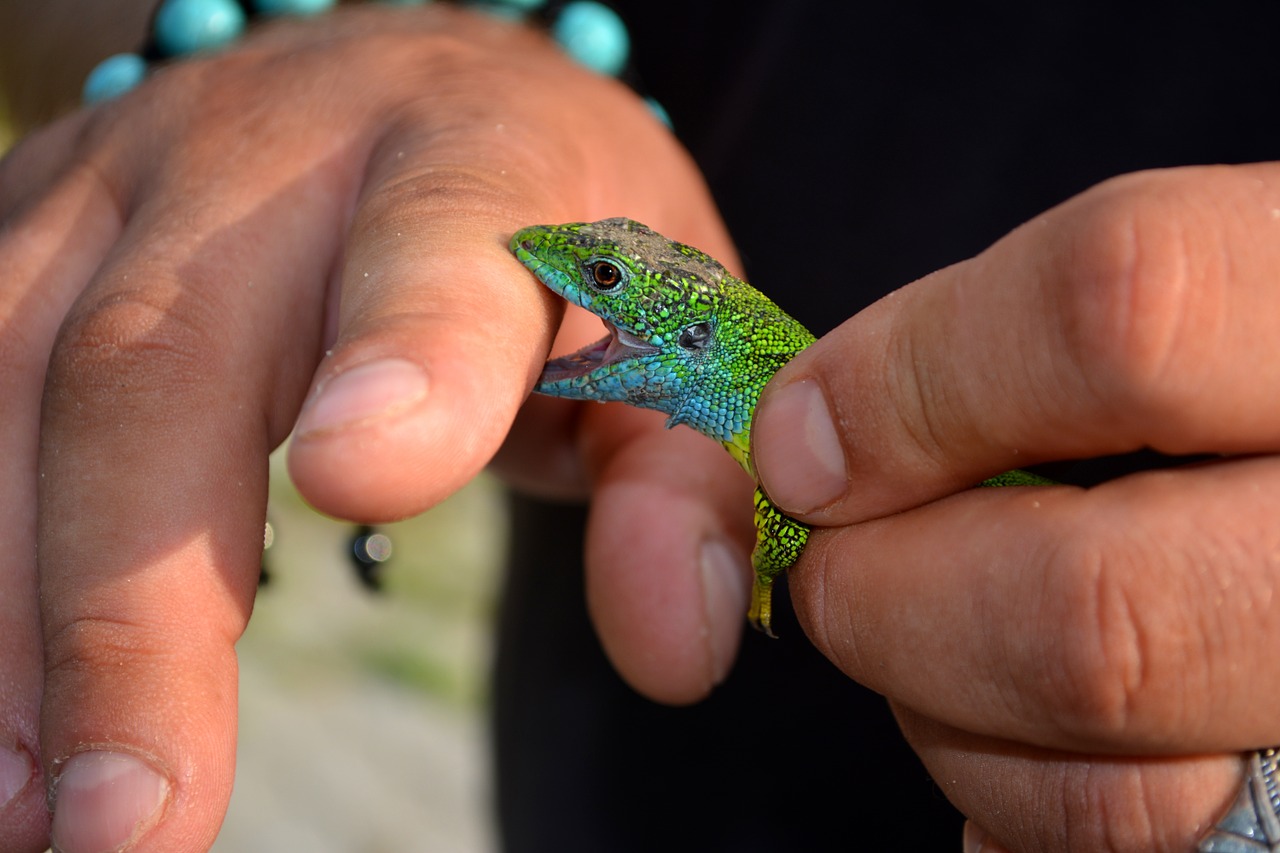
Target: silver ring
(1253, 822)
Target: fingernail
(104, 800)
(16, 770)
(365, 391)
(797, 450)
(974, 836)
(725, 593)
(976, 840)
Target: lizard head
(657, 299)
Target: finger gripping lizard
(685, 337)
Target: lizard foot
(760, 614)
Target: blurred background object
(362, 714)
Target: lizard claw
(760, 614)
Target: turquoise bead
(186, 26)
(293, 7)
(594, 35)
(660, 111)
(113, 76)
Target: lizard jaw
(594, 360)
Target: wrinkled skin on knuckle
(1090, 814)
(1142, 275)
(469, 194)
(1094, 658)
(1123, 657)
(1104, 805)
(1047, 800)
(160, 670)
(91, 644)
(139, 349)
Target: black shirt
(852, 148)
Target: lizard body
(686, 338)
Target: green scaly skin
(686, 338)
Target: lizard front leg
(779, 541)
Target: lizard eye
(697, 336)
(605, 275)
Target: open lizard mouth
(614, 348)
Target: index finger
(440, 333)
(1117, 321)
(1130, 618)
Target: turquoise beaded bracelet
(588, 31)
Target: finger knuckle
(1119, 805)
(87, 645)
(1102, 641)
(1144, 285)
(473, 193)
(1112, 806)
(131, 343)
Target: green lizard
(686, 338)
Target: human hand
(1078, 668)
(315, 221)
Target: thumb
(1116, 321)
